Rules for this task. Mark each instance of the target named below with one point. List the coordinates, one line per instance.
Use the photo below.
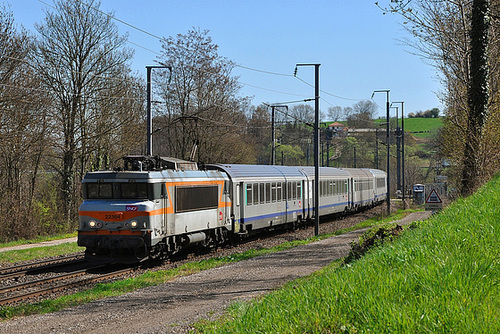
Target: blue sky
(359, 48)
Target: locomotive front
(120, 218)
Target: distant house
(338, 129)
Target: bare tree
(23, 132)
(362, 116)
(79, 55)
(335, 113)
(202, 104)
(460, 38)
(259, 130)
(302, 113)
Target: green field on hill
(441, 276)
(430, 126)
(419, 127)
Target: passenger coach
(264, 196)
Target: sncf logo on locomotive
(131, 208)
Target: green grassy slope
(442, 277)
(420, 127)
(429, 125)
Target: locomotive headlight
(95, 224)
(134, 224)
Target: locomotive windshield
(117, 190)
(99, 190)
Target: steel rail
(22, 269)
(12, 299)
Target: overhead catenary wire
(160, 38)
(234, 64)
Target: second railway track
(15, 293)
(39, 266)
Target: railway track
(37, 284)
(78, 282)
(39, 266)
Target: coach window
(279, 190)
(237, 195)
(249, 194)
(255, 193)
(262, 193)
(289, 191)
(299, 190)
(273, 192)
(268, 192)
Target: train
(155, 206)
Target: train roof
(325, 172)
(377, 172)
(154, 176)
(237, 171)
(358, 172)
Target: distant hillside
(430, 126)
(420, 127)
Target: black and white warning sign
(433, 201)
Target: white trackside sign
(433, 201)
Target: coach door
(226, 205)
(351, 193)
(164, 208)
(305, 199)
(239, 206)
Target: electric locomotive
(153, 207)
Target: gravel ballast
(173, 306)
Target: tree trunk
(477, 95)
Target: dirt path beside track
(41, 244)
(172, 307)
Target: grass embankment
(154, 278)
(442, 277)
